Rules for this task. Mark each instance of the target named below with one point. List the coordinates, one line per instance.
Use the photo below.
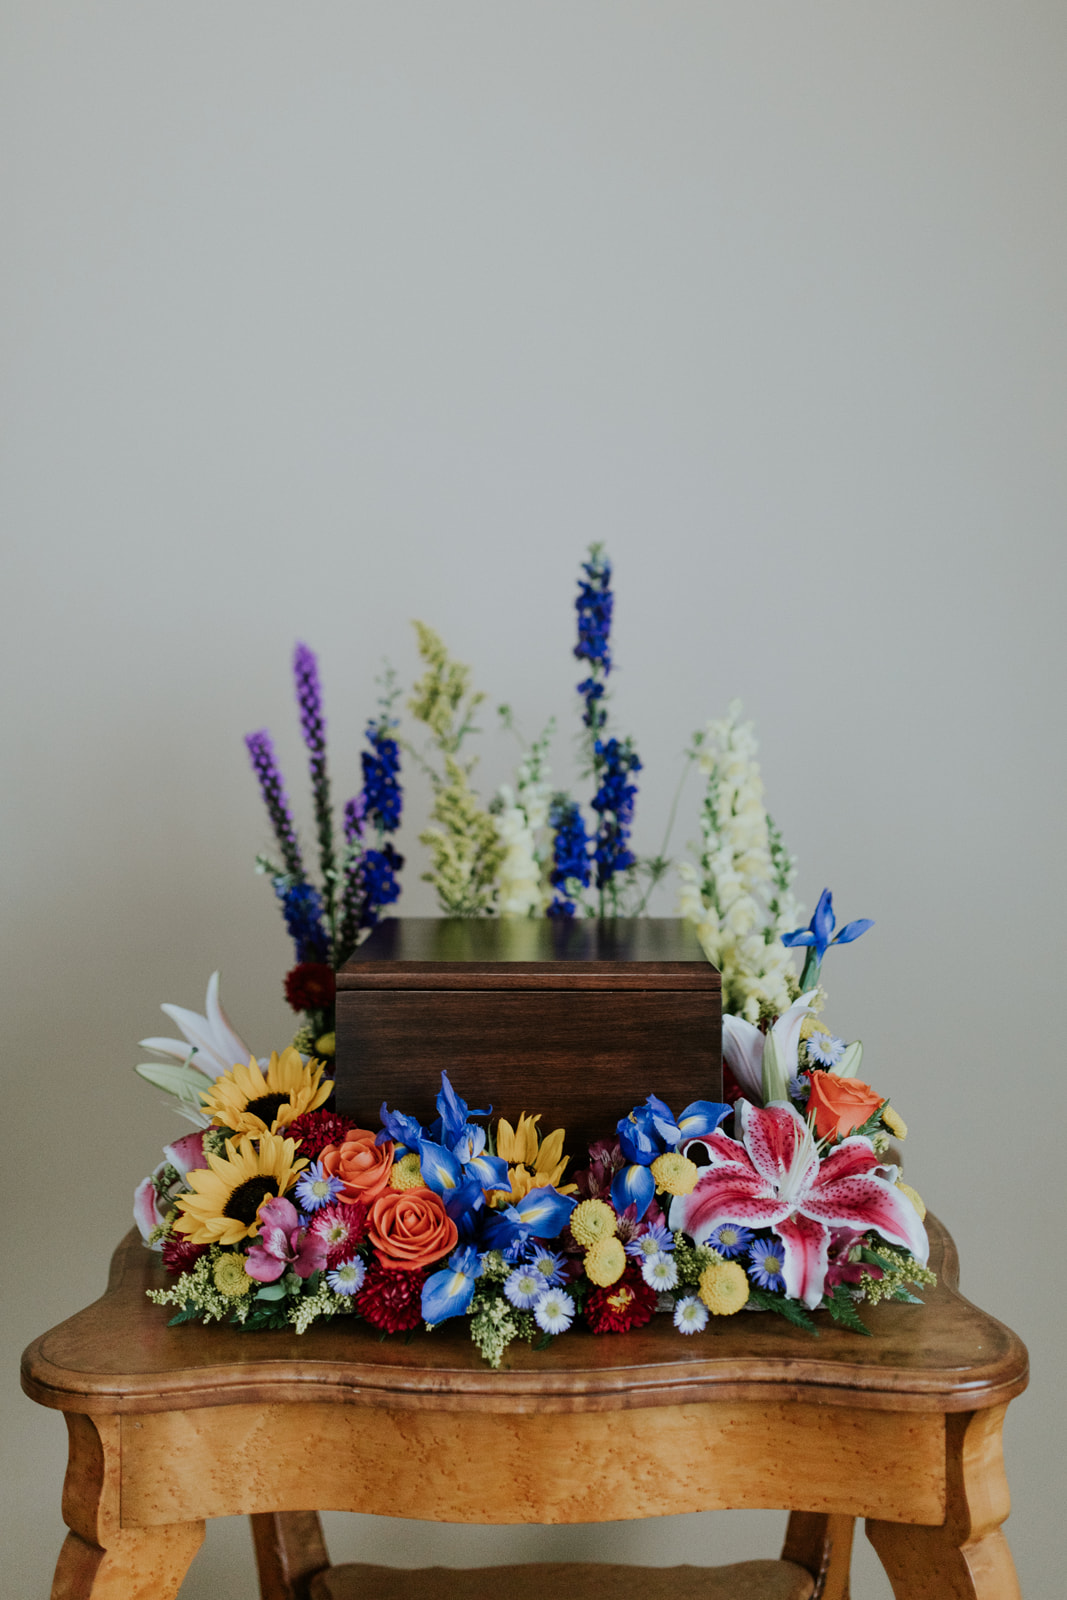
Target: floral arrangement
(277, 1212)
(788, 1196)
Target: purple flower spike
(276, 801)
(313, 727)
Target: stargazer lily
(775, 1179)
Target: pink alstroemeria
(283, 1245)
(775, 1179)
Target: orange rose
(410, 1228)
(362, 1166)
(840, 1104)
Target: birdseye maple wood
(576, 1020)
(169, 1426)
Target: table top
(119, 1355)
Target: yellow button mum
(723, 1288)
(249, 1100)
(591, 1221)
(326, 1044)
(605, 1261)
(406, 1173)
(675, 1173)
(230, 1277)
(895, 1123)
(916, 1200)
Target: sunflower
(249, 1101)
(227, 1194)
(533, 1162)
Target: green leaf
(791, 1310)
(272, 1291)
(902, 1294)
(873, 1257)
(544, 1342)
(181, 1080)
(188, 1313)
(841, 1307)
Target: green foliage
(791, 1310)
(842, 1308)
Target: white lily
(763, 1063)
(210, 1048)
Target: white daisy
(659, 1272)
(690, 1315)
(553, 1311)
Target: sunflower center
(265, 1106)
(247, 1198)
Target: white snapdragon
(738, 898)
(519, 890)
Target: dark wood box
(579, 1020)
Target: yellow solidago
(230, 1277)
(227, 1194)
(406, 1173)
(436, 698)
(592, 1221)
(723, 1288)
(675, 1173)
(605, 1261)
(249, 1100)
(895, 1123)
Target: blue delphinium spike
(570, 853)
(302, 909)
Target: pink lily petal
(187, 1152)
(775, 1139)
(725, 1151)
(146, 1213)
(804, 1268)
(868, 1202)
(853, 1155)
(726, 1194)
(263, 1266)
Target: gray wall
(320, 318)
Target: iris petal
(633, 1186)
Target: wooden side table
(169, 1426)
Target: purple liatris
(570, 853)
(313, 728)
(302, 909)
(275, 799)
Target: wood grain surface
(120, 1356)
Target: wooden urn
(579, 1020)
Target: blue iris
(448, 1293)
(819, 936)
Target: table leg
(822, 1545)
(967, 1557)
(290, 1551)
(100, 1559)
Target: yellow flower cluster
(723, 1287)
(593, 1224)
(675, 1173)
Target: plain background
(319, 318)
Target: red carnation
(342, 1228)
(628, 1303)
(391, 1300)
(316, 1129)
(181, 1255)
(310, 986)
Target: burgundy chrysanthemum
(316, 1129)
(181, 1255)
(310, 986)
(628, 1303)
(391, 1301)
(342, 1228)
